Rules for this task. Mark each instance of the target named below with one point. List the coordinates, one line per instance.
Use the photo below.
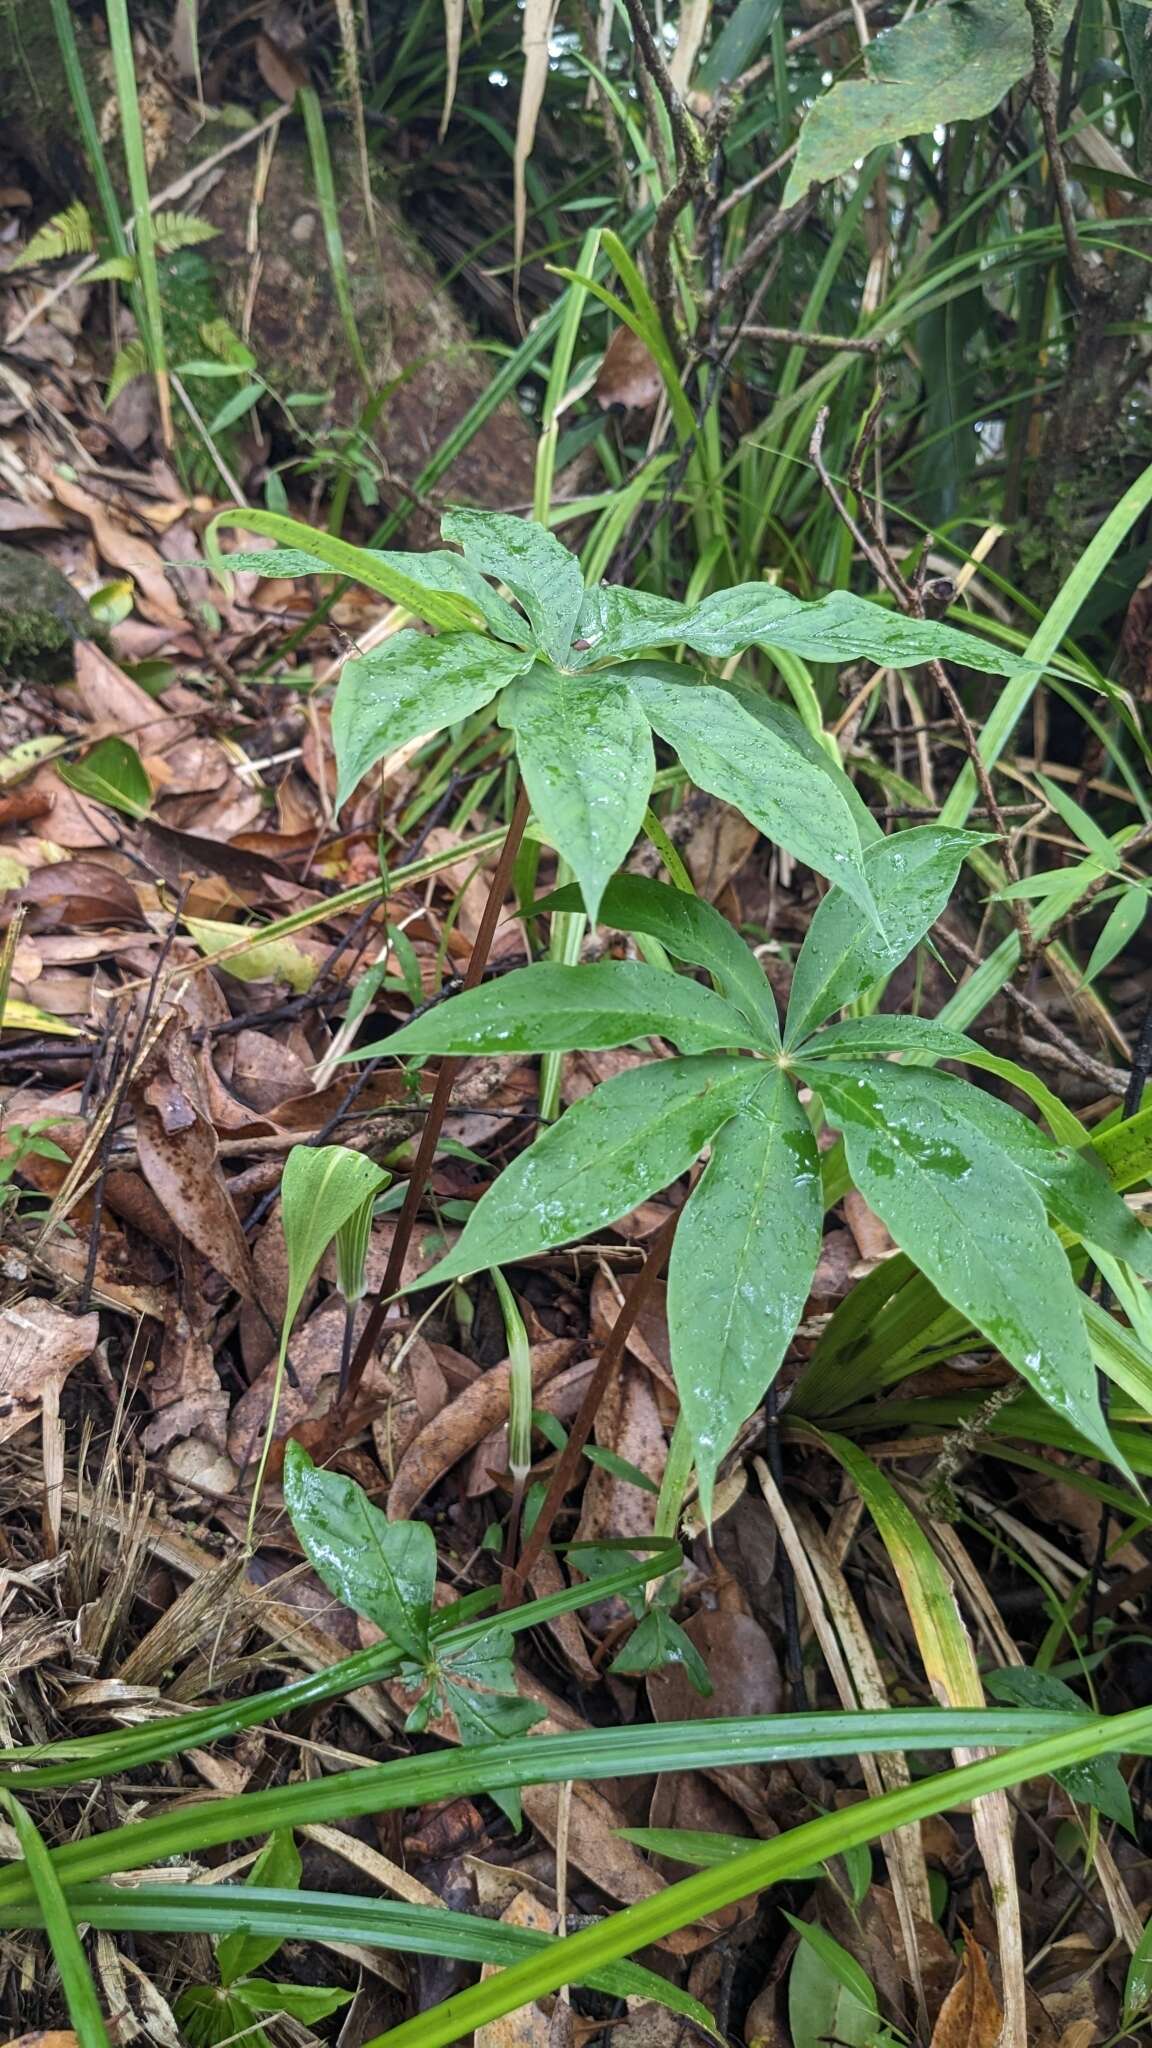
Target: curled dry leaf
(178, 1157)
(628, 376)
(468, 1419)
(186, 1393)
(39, 1346)
(970, 2016)
(79, 892)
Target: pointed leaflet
(727, 751)
(439, 607)
(531, 562)
(411, 686)
(911, 876)
(624, 1142)
(742, 1263)
(278, 1867)
(837, 628)
(974, 1223)
(381, 1569)
(440, 569)
(882, 1033)
(585, 752)
(691, 930)
(552, 1008)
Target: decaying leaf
(178, 1158)
(39, 1346)
(970, 2016)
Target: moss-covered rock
(40, 616)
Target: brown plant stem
(567, 1464)
(437, 1108)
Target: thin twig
(692, 173)
(1093, 281)
(438, 1108)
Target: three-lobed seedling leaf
(582, 688)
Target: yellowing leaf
(20, 1016)
(256, 958)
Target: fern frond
(180, 231)
(131, 361)
(223, 342)
(66, 234)
(120, 268)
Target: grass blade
(53, 1912)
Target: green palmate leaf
(442, 608)
(837, 628)
(886, 1033)
(552, 1008)
(690, 930)
(630, 1137)
(479, 1686)
(439, 569)
(112, 773)
(384, 1570)
(344, 1916)
(742, 1263)
(408, 687)
(974, 1223)
(736, 757)
(532, 563)
(1099, 1783)
(75, 1977)
(277, 1867)
(952, 63)
(911, 876)
(585, 752)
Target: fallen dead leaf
(970, 2016)
(177, 1149)
(186, 1393)
(467, 1419)
(528, 2026)
(39, 1346)
(628, 375)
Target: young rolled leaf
(974, 1223)
(690, 929)
(585, 752)
(742, 1263)
(408, 687)
(383, 1570)
(911, 876)
(538, 571)
(744, 762)
(552, 1008)
(625, 1141)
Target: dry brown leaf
(970, 2016)
(281, 69)
(628, 375)
(39, 1346)
(186, 1393)
(539, 16)
(873, 1241)
(689, 36)
(112, 699)
(466, 1420)
(122, 550)
(528, 2026)
(453, 36)
(746, 1680)
(177, 1149)
(314, 1352)
(45, 2037)
(629, 1424)
(79, 892)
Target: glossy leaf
(538, 571)
(837, 628)
(343, 1916)
(277, 1867)
(552, 1008)
(585, 753)
(690, 929)
(883, 1033)
(1099, 1783)
(974, 1223)
(112, 773)
(628, 1139)
(743, 762)
(911, 876)
(742, 1263)
(409, 686)
(383, 1570)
